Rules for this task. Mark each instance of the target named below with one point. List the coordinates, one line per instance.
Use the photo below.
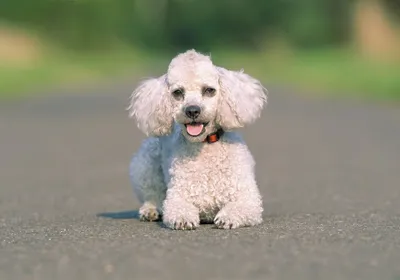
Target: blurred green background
(338, 48)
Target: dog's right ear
(242, 99)
(150, 105)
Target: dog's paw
(238, 215)
(148, 213)
(181, 216)
(226, 220)
(182, 222)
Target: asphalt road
(329, 172)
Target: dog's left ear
(242, 99)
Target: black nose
(192, 111)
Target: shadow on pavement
(123, 215)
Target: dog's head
(198, 96)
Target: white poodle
(192, 168)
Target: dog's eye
(209, 91)
(178, 93)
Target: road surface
(329, 172)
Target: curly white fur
(179, 176)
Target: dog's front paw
(226, 220)
(183, 224)
(184, 221)
(148, 213)
(235, 216)
(181, 216)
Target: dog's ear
(150, 105)
(242, 99)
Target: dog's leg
(147, 179)
(178, 213)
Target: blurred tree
(181, 24)
(393, 6)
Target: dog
(194, 167)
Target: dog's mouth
(195, 129)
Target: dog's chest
(203, 174)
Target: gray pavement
(329, 172)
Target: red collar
(214, 137)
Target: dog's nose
(192, 111)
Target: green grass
(334, 73)
(63, 68)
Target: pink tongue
(194, 129)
